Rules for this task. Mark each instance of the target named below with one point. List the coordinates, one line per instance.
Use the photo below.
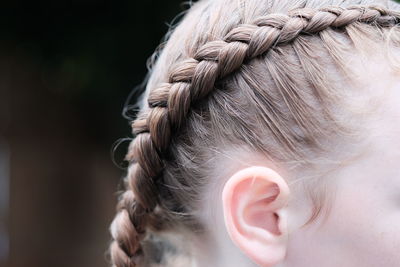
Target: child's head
(267, 136)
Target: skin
(259, 221)
(363, 226)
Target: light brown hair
(263, 76)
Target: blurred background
(66, 69)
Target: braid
(191, 80)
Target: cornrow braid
(191, 80)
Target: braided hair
(190, 81)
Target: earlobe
(254, 201)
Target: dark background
(66, 69)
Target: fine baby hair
(237, 79)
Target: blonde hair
(269, 77)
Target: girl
(268, 136)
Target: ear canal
(257, 215)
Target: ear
(254, 201)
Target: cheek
(363, 228)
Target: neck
(218, 251)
